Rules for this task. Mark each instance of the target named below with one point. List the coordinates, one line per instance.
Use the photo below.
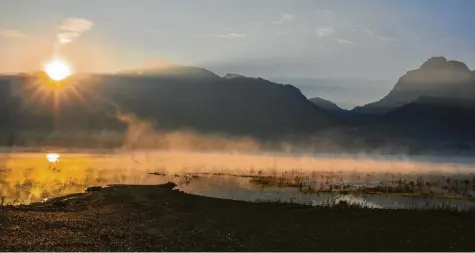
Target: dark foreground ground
(155, 218)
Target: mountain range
(175, 98)
(433, 103)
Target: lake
(375, 181)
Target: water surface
(301, 178)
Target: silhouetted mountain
(184, 98)
(432, 104)
(437, 77)
(425, 122)
(428, 125)
(4, 99)
(325, 104)
(429, 113)
(244, 106)
(431, 118)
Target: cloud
(284, 18)
(385, 38)
(343, 41)
(232, 35)
(12, 34)
(345, 28)
(377, 36)
(65, 38)
(72, 28)
(326, 31)
(151, 30)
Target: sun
(57, 70)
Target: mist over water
(30, 177)
(215, 166)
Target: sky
(361, 46)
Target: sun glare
(57, 70)
(52, 157)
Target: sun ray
(78, 95)
(56, 102)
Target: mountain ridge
(325, 104)
(169, 101)
(251, 107)
(437, 77)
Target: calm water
(308, 179)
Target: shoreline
(156, 218)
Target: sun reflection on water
(53, 157)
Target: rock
(169, 185)
(94, 189)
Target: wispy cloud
(371, 33)
(232, 35)
(343, 41)
(325, 31)
(385, 38)
(345, 28)
(72, 28)
(284, 18)
(151, 30)
(12, 34)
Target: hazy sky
(279, 40)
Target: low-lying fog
(32, 177)
(241, 169)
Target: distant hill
(325, 104)
(437, 77)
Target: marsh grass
(444, 187)
(334, 203)
(308, 183)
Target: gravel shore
(157, 218)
